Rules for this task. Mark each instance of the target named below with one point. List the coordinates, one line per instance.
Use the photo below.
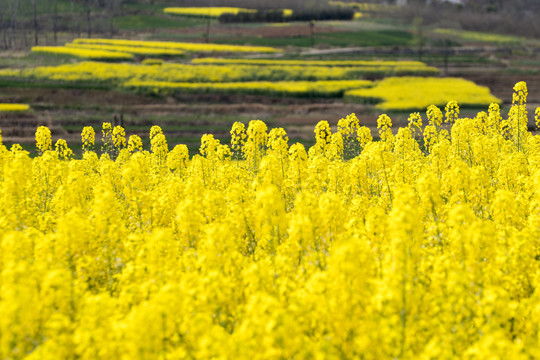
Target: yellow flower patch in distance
(205, 12)
(115, 74)
(287, 12)
(135, 50)
(92, 54)
(417, 93)
(193, 47)
(14, 107)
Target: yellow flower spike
(178, 158)
(452, 111)
(434, 115)
(278, 142)
(158, 146)
(88, 138)
(297, 152)
(154, 130)
(364, 136)
(520, 93)
(43, 139)
(518, 114)
(134, 143)
(119, 137)
(62, 149)
(430, 137)
(494, 118)
(322, 133)
(238, 136)
(15, 148)
(384, 124)
(255, 147)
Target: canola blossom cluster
(422, 245)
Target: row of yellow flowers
(84, 53)
(134, 50)
(14, 108)
(478, 36)
(424, 245)
(172, 72)
(193, 47)
(371, 66)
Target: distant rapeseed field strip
(134, 50)
(193, 47)
(205, 12)
(13, 107)
(422, 245)
(415, 93)
(370, 66)
(479, 36)
(93, 54)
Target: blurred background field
(194, 74)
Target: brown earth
(278, 31)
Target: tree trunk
(36, 31)
(112, 10)
(12, 16)
(89, 22)
(55, 21)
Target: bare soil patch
(277, 31)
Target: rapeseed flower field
(205, 12)
(193, 47)
(14, 107)
(413, 93)
(420, 245)
(84, 53)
